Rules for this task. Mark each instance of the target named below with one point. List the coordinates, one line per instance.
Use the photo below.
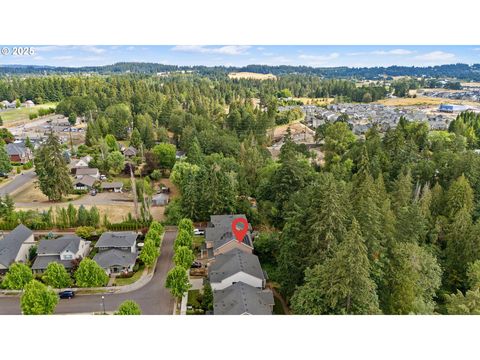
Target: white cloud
(383, 52)
(436, 56)
(93, 49)
(315, 60)
(226, 50)
(38, 58)
(63, 57)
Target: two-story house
(236, 266)
(63, 250)
(117, 251)
(220, 239)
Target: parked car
(3, 175)
(93, 192)
(198, 232)
(103, 177)
(196, 265)
(67, 294)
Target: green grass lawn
(130, 280)
(22, 112)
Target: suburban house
(233, 267)
(160, 199)
(63, 250)
(93, 172)
(19, 153)
(86, 182)
(112, 186)
(117, 251)
(14, 247)
(130, 152)
(242, 299)
(81, 163)
(219, 238)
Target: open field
(422, 100)
(12, 116)
(250, 75)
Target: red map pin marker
(240, 233)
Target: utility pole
(134, 191)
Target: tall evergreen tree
(52, 170)
(342, 285)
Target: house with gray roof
(115, 186)
(19, 153)
(81, 172)
(242, 299)
(63, 250)
(220, 239)
(14, 246)
(235, 266)
(84, 183)
(130, 152)
(117, 251)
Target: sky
(240, 55)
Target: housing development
(144, 188)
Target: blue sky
(239, 55)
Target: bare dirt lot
(250, 75)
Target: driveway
(17, 182)
(153, 298)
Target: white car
(198, 232)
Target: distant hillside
(459, 71)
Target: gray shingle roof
(119, 239)
(16, 149)
(85, 180)
(41, 262)
(241, 298)
(87, 171)
(56, 246)
(115, 257)
(233, 262)
(220, 230)
(11, 243)
(111, 185)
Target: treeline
(459, 71)
(387, 225)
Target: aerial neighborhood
(143, 188)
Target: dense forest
(388, 224)
(459, 71)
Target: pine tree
(5, 165)
(52, 170)
(342, 285)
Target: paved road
(153, 298)
(17, 182)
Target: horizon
(352, 56)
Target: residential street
(17, 182)
(153, 298)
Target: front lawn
(130, 280)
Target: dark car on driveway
(196, 265)
(67, 294)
